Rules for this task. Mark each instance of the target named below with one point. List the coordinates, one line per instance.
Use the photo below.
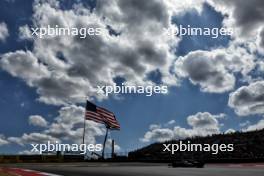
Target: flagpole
(84, 125)
(105, 142)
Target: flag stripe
(94, 116)
(105, 113)
(105, 110)
(115, 125)
(112, 121)
(107, 116)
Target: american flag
(101, 115)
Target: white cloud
(248, 29)
(24, 65)
(108, 145)
(66, 127)
(32, 138)
(64, 70)
(70, 68)
(202, 123)
(37, 120)
(214, 70)
(25, 33)
(245, 124)
(177, 6)
(3, 31)
(157, 134)
(69, 126)
(203, 120)
(28, 152)
(238, 15)
(171, 122)
(260, 41)
(230, 131)
(154, 126)
(67, 69)
(248, 100)
(258, 126)
(261, 65)
(3, 140)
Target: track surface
(141, 169)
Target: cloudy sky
(215, 84)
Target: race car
(187, 163)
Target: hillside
(248, 146)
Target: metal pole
(113, 148)
(83, 130)
(84, 125)
(104, 142)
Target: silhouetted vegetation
(248, 147)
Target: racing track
(144, 169)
